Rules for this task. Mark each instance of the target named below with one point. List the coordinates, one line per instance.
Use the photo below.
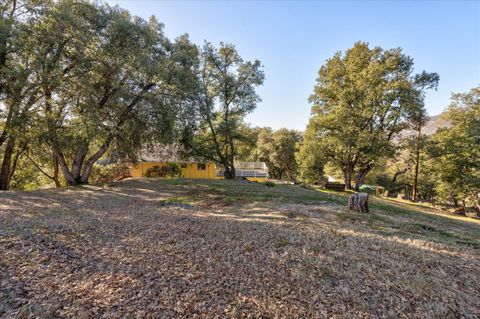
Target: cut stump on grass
(358, 202)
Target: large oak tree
(19, 87)
(107, 80)
(362, 99)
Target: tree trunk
(53, 177)
(417, 164)
(81, 170)
(229, 172)
(361, 176)
(347, 176)
(77, 164)
(5, 172)
(359, 181)
(398, 173)
(358, 202)
(19, 152)
(55, 172)
(87, 169)
(65, 170)
(476, 205)
(289, 173)
(394, 179)
(415, 182)
(454, 200)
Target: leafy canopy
(362, 99)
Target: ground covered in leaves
(221, 249)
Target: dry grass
(216, 249)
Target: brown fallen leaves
(125, 252)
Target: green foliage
(455, 152)
(169, 170)
(361, 101)
(397, 174)
(310, 158)
(155, 171)
(173, 170)
(18, 81)
(110, 82)
(449, 171)
(119, 87)
(370, 189)
(269, 184)
(28, 177)
(227, 95)
(277, 150)
(107, 83)
(247, 143)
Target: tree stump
(358, 202)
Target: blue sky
(293, 39)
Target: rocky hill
(433, 124)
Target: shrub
(370, 189)
(173, 170)
(155, 171)
(169, 170)
(269, 184)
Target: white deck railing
(248, 169)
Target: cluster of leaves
(277, 150)
(311, 158)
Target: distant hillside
(433, 124)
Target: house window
(183, 165)
(201, 167)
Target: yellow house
(189, 170)
(249, 170)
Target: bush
(155, 171)
(173, 170)
(170, 170)
(269, 184)
(370, 189)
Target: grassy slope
(175, 248)
(386, 214)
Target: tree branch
(39, 168)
